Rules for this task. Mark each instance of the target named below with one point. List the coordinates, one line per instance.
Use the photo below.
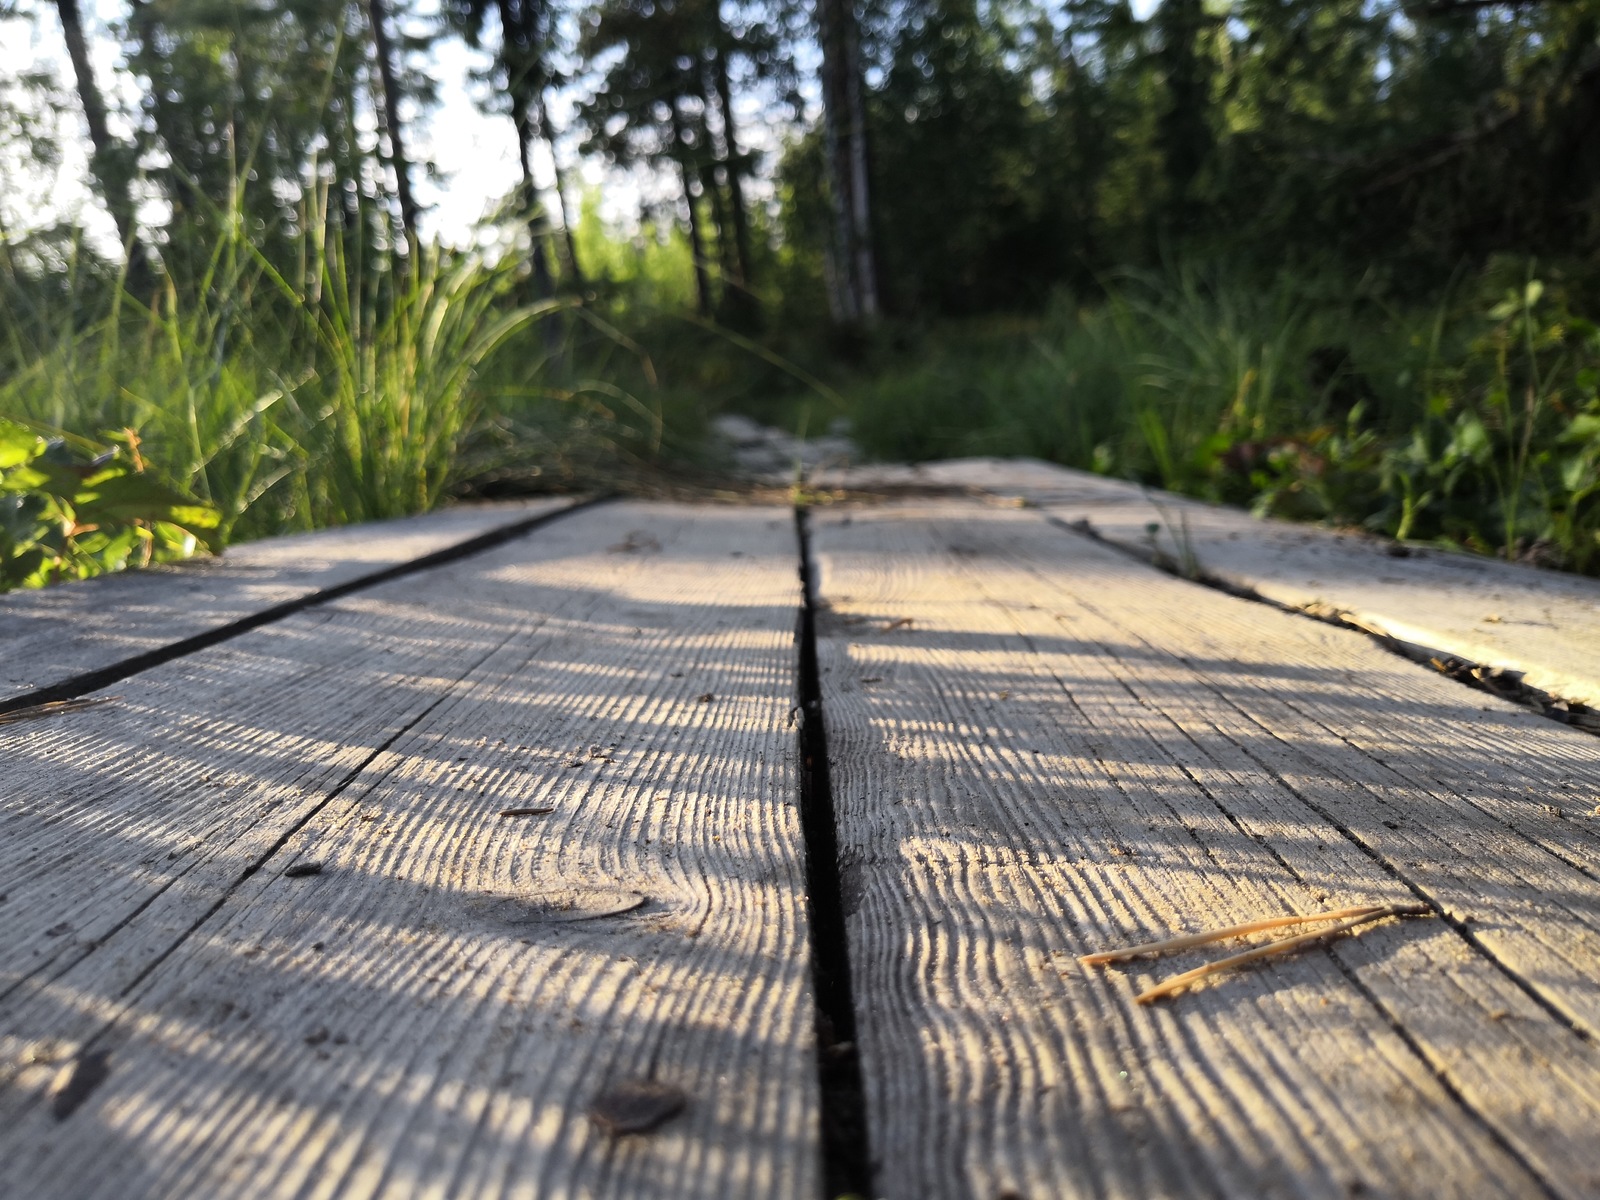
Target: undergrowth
(347, 391)
(279, 400)
(1473, 422)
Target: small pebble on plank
(636, 1106)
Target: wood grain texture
(55, 633)
(435, 1009)
(1542, 624)
(1064, 751)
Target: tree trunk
(711, 187)
(705, 302)
(845, 132)
(567, 235)
(1185, 122)
(389, 119)
(109, 162)
(538, 227)
(730, 141)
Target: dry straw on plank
(54, 708)
(1346, 919)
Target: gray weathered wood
(1542, 624)
(434, 1011)
(72, 629)
(1065, 750)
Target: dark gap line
(846, 1148)
(92, 681)
(1438, 1070)
(1504, 685)
(1448, 665)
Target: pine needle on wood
(1177, 983)
(53, 708)
(1217, 935)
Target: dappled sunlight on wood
(444, 995)
(1062, 749)
(53, 635)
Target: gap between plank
(1452, 666)
(846, 1152)
(1449, 665)
(92, 681)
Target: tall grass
(333, 391)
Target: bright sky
(475, 153)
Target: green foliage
(1474, 424)
(1019, 148)
(289, 362)
(276, 93)
(69, 510)
(648, 272)
(1507, 457)
(342, 389)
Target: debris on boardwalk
(1347, 918)
(54, 708)
(637, 1106)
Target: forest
(1334, 260)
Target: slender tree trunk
(846, 297)
(567, 235)
(109, 162)
(710, 186)
(705, 302)
(845, 131)
(538, 227)
(866, 267)
(1185, 123)
(389, 119)
(730, 141)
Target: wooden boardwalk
(583, 850)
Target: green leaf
(18, 445)
(122, 497)
(19, 570)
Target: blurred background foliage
(1334, 260)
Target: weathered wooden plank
(1542, 624)
(1063, 749)
(434, 1011)
(57, 633)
